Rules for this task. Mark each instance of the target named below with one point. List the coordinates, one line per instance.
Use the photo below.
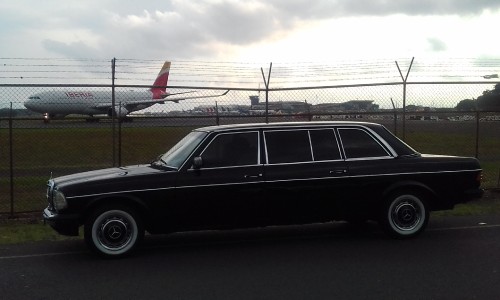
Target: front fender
(133, 202)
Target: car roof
(275, 125)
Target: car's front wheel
(113, 231)
(404, 215)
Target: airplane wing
(166, 97)
(490, 76)
(176, 100)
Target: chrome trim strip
(373, 175)
(266, 181)
(119, 192)
(306, 162)
(310, 145)
(369, 158)
(371, 134)
(226, 167)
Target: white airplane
(58, 104)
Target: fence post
(395, 118)
(266, 83)
(405, 79)
(120, 135)
(113, 113)
(11, 163)
(217, 121)
(477, 133)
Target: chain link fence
(425, 115)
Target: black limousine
(254, 175)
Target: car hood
(110, 178)
(103, 174)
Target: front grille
(50, 193)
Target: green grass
(18, 232)
(461, 144)
(29, 195)
(488, 205)
(36, 149)
(38, 153)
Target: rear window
(358, 143)
(293, 146)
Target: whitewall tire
(113, 232)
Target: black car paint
(266, 194)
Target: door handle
(338, 171)
(254, 176)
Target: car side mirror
(197, 162)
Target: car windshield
(176, 156)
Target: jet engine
(119, 111)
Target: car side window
(324, 145)
(358, 143)
(231, 149)
(288, 146)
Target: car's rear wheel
(404, 215)
(113, 231)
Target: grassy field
(40, 152)
(17, 232)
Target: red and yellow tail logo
(160, 83)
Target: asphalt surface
(456, 258)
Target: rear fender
(412, 186)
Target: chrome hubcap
(114, 233)
(406, 215)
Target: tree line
(488, 101)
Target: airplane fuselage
(86, 102)
(57, 104)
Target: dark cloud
(246, 22)
(186, 29)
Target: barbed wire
(184, 72)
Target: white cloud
(250, 29)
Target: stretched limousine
(254, 175)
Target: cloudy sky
(314, 42)
(309, 42)
(254, 30)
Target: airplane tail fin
(160, 83)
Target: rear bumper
(66, 224)
(472, 194)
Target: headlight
(59, 200)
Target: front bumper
(65, 224)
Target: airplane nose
(29, 104)
(32, 104)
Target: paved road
(457, 258)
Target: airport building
(257, 107)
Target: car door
(370, 164)
(224, 188)
(304, 174)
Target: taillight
(479, 177)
